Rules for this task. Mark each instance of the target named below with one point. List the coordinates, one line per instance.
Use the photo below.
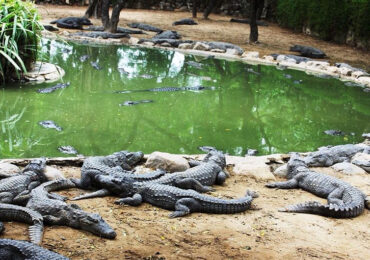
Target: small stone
(9, 169)
(345, 71)
(347, 168)
(148, 43)
(133, 40)
(364, 80)
(281, 171)
(166, 44)
(318, 64)
(185, 46)
(357, 73)
(218, 50)
(201, 46)
(52, 173)
(366, 135)
(332, 69)
(232, 52)
(167, 162)
(268, 58)
(251, 55)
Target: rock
(218, 50)
(268, 58)
(251, 55)
(347, 168)
(345, 71)
(332, 69)
(364, 80)
(362, 160)
(366, 135)
(232, 52)
(201, 46)
(167, 162)
(254, 167)
(318, 64)
(133, 40)
(52, 173)
(356, 74)
(148, 43)
(185, 46)
(281, 171)
(166, 44)
(9, 169)
(42, 71)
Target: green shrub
(19, 37)
(330, 19)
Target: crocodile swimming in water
(168, 89)
(53, 88)
(132, 103)
(344, 200)
(50, 124)
(56, 212)
(22, 250)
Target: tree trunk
(260, 6)
(253, 37)
(195, 8)
(105, 14)
(115, 15)
(93, 9)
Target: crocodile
(145, 27)
(195, 64)
(167, 89)
(298, 59)
(334, 132)
(328, 156)
(84, 58)
(173, 42)
(132, 103)
(116, 163)
(248, 21)
(119, 30)
(200, 177)
(96, 65)
(167, 35)
(10, 212)
(103, 35)
(67, 149)
(53, 88)
(186, 21)
(308, 51)
(16, 189)
(56, 212)
(182, 201)
(344, 200)
(72, 22)
(19, 250)
(50, 124)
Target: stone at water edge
(167, 162)
(347, 168)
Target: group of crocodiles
(27, 197)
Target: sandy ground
(146, 232)
(273, 39)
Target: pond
(245, 106)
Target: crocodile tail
(330, 210)
(95, 194)
(58, 184)
(36, 232)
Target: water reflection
(251, 107)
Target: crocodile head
(123, 187)
(95, 224)
(37, 166)
(125, 159)
(295, 165)
(217, 157)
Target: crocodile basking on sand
(72, 22)
(10, 212)
(182, 201)
(16, 189)
(56, 212)
(23, 250)
(344, 200)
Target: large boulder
(167, 162)
(362, 160)
(347, 168)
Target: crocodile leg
(135, 200)
(190, 183)
(95, 194)
(367, 202)
(221, 177)
(335, 197)
(6, 197)
(290, 184)
(55, 196)
(184, 207)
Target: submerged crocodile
(167, 89)
(50, 124)
(200, 177)
(56, 212)
(72, 22)
(336, 154)
(132, 103)
(16, 189)
(19, 250)
(96, 65)
(182, 201)
(10, 212)
(67, 149)
(53, 88)
(344, 200)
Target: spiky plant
(20, 32)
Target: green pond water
(257, 107)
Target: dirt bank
(218, 28)
(146, 232)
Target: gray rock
(8, 169)
(366, 135)
(281, 171)
(167, 162)
(347, 168)
(52, 173)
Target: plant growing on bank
(20, 32)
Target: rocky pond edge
(319, 68)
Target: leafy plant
(20, 32)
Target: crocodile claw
(119, 202)
(270, 185)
